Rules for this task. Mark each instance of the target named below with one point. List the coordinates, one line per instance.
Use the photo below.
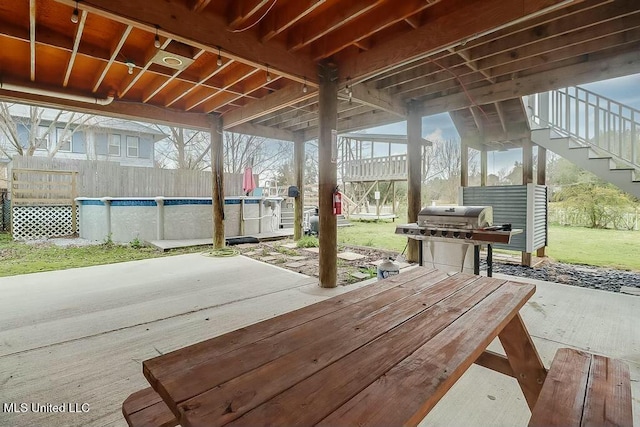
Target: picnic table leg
(524, 359)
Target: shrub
(308, 242)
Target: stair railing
(591, 120)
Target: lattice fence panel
(39, 222)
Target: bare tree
(246, 150)
(186, 149)
(40, 133)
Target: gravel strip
(607, 279)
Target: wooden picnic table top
(383, 354)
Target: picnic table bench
(383, 354)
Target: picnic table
(383, 354)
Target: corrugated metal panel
(509, 207)
(540, 217)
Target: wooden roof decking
(437, 56)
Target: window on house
(42, 138)
(114, 145)
(64, 139)
(133, 143)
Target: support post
(217, 181)
(483, 166)
(414, 184)
(542, 180)
(527, 178)
(464, 164)
(298, 160)
(328, 177)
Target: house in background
(88, 138)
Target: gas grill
(465, 225)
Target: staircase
(594, 132)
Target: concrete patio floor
(80, 335)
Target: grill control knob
(468, 235)
(433, 232)
(456, 234)
(444, 233)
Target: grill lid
(456, 216)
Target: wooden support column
(328, 176)
(527, 178)
(483, 166)
(298, 160)
(542, 180)
(414, 184)
(217, 181)
(464, 164)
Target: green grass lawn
(574, 245)
(20, 258)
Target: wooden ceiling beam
(32, 38)
(365, 94)
(178, 93)
(276, 119)
(131, 79)
(76, 44)
(584, 48)
(467, 19)
(198, 5)
(124, 110)
(262, 131)
(340, 14)
(242, 11)
(281, 19)
(549, 30)
(594, 68)
(231, 79)
(114, 54)
(363, 121)
(475, 113)
(150, 93)
(177, 21)
(275, 101)
(546, 51)
(367, 24)
(572, 38)
(344, 112)
(472, 65)
(249, 85)
(501, 116)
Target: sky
(625, 90)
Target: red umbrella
(248, 184)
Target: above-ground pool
(124, 219)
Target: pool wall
(170, 218)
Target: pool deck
(81, 335)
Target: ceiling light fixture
(156, 40)
(219, 61)
(268, 74)
(74, 15)
(305, 89)
(130, 65)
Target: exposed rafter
(375, 98)
(32, 37)
(179, 93)
(170, 18)
(244, 10)
(280, 20)
(595, 69)
(154, 91)
(270, 103)
(114, 53)
(466, 17)
(132, 79)
(76, 44)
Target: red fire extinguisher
(337, 202)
